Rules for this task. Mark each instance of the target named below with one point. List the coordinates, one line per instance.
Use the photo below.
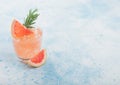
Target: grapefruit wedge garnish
(37, 60)
(18, 30)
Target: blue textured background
(82, 38)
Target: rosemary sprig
(30, 19)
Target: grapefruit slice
(18, 30)
(38, 59)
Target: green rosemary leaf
(30, 19)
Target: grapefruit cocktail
(26, 46)
(27, 40)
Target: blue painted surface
(82, 38)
